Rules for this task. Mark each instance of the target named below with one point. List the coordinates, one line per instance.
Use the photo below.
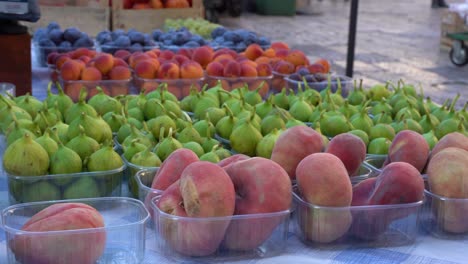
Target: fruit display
(132, 41)
(75, 231)
(156, 4)
(197, 26)
(175, 39)
(237, 39)
(90, 69)
(54, 39)
(60, 248)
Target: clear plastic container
(220, 239)
(278, 82)
(110, 87)
(346, 85)
(41, 53)
(143, 180)
(253, 83)
(445, 218)
(178, 87)
(23, 189)
(364, 226)
(363, 173)
(124, 227)
(375, 162)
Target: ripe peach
(168, 70)
(279, 45)
(315, 68)
(454, 139)
(293, 145)
(85, 59)
(180, 59)
(270, 53)
(215, 69)
(134, 59)
(120, 62)
(122, 54)
(71, 70)
(104, 63)
(82, 52)
(232, 69)
(282, 53)
(230, 52)
(120, 73)
(264, 69)
(166, 54)
(248, 70)
(225, 56)
(253, 51)
(51, 57)
(91, 74)
(61, 247)
(172, 167)
(141, 6)
(225, 163)
(151, 54)
(284, 67)
(350, 149)
(297, 57)
(185, 52)
(60, 60)
(325, 63)
(403, 147)
(203, 55)
(262, 60)
(146, 69)
(191, 70)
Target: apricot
(191, 70)
(253, 51)
(146, 69)
(104, 63)
(325, 63)
(264, 70)
(203, 55)
(232, 69)
(166, 54)
(122, 54)
(71, 70)
(284, 67)
(270, 53)
(120, 73)
(277, 45)
(60, 60)
(316, 68)
(215, 69)
(297, 57)
(120, 62)
(168, 70)
(180, 59)
(91, 74)
(247, 70)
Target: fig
(47, 142)
(65, 161)
(245, 137)
(77, 110)
(83, 145)
(25, 157)
(103, 103)
(31, 104)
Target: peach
(325, 63)
(85, 59)
(225, 56)
(451, 215)
(350, 149)
(151, 53)
(180, 59)
(230, 52)
(91, 74)
(247, 70)
(185, 52)
(253, 51)
(264, 70)
(262, 187)
(232, 69)
(316, 68)
(60, 60)
(262, 59)
(362, 191)
(191, 70)
(404, 146)
(270, 53)
(279, 45)
(104, 63)
(71, 70)
(282, 53)
(295, 144)
(172, 167)
(122, 54)
(166, 55)
(225, 163)
(284, 67)
(82, 52)
(203, 55)
(204, 190)
(120, 62)
(146, 69)
(168, 70)
(215, 69)
(454, 139)
(297, 57)
(141, 6)
(134, 59)
(120, 73)
(86, 247)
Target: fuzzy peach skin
(295, 144)
(411, 147)
(172, 167)
(454, 139)
(350, 149)
(203, 191)
(225, 163)
(262, 187)
(80, 248)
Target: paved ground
(396, 39)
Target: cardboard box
(89, 16)
(147, 20)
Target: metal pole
(352, 37)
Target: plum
(56, 35)
(71, 34)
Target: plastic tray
(346, 85)
(445, 218)
(124, 227)
(178, 87)
(110, 87)
(134, 184)
(23, 189)
(41, 53)
(278, 82)
(253, 83)
(220, 239)
(363, 226)
(143, 179)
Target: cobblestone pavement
(397, 39)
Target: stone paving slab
(396, 39)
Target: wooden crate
(451, 22)
(147, 20)
(89, 16)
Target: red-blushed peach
(203, 55)
(263, 59)
(454, 139)
(91, 74)
(253, 51)
(362, 191)
(185, 52)
(82, 52)
(262, 186)
(134, 59)
(270, 53)
(295, 144)
(180, 59)
(279, 45)
(203, 191)
(232, 69)
(325, 63)
(350, 149)
(166, 54)
(85, 59)
(191, 70)
(61, 247)
(122, 54)
(168, 70)
(282, 53)
(284, 67)
(225, 163)
(104, 63)
(230, 52)
(215, 69)
(316, 68)
(71, 70)
(297, 57)
(120, 62)
(138, 6)
(120, 73)
(247, 70)
(226, 56)
(172, 168)
(151, 54)
(60, 60)
(264, 70)
(145, 69)
(51, 57)
(404, 146)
